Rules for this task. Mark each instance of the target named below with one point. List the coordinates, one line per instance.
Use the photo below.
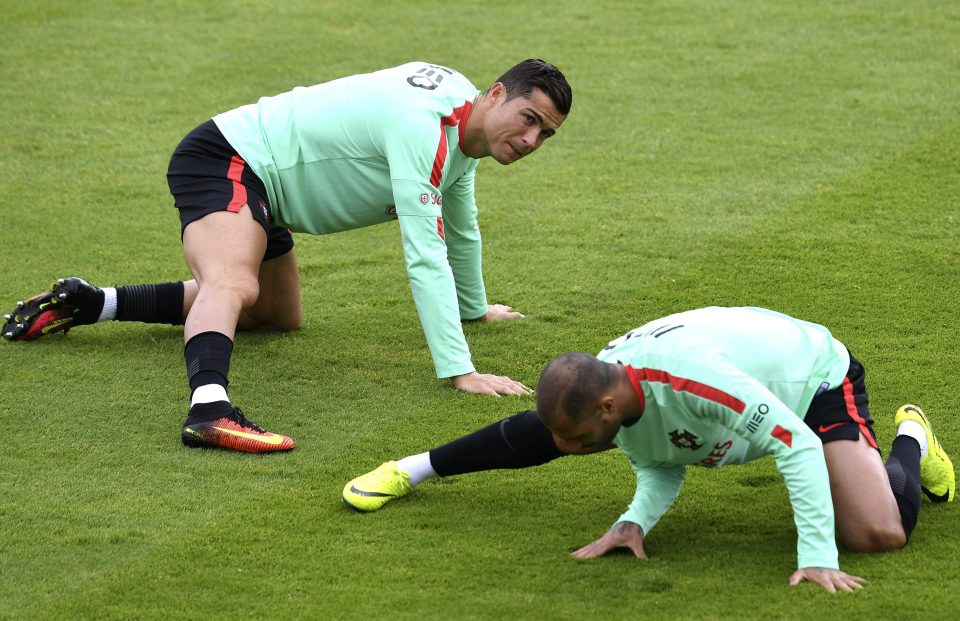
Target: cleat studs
(20, 304)
(60, 281)
(7, 317)
(62, 296)
(20, 325)
(8, 335)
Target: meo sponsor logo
(757, 417)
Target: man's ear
(497, 93)
(607, 406)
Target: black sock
(208, 359)
(519, 441)
(903, 469)
(88, 310)
(151, 303)
(202, 412)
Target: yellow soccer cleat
(374, 489)
(937, 478)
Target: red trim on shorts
(682, 384)
(239, 190)
(440, 228)
(455, 117)
(854, 414)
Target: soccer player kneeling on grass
(713, 387)
(401, 144)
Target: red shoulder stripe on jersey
(682, 384)
(634, 376)
(437, 172)
(783, 435)
(851, 404)
(455, 118)
(465, 110)
(234, 174)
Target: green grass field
(798, 156)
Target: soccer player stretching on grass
(714, 387)
(398, 144)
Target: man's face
(518, 127)
(593, 433)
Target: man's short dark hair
(571, 384)
(521, 79)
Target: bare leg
(223, 251)
(277, 308)
(865, 509)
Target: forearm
(808, 484)
(464, 247)
(657, 488)
(434, 293)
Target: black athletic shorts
(207, 175)
(842, 413)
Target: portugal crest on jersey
(684, 440)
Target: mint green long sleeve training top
(371, 148)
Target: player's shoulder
(663, 350)
(423, 87)
(653, 334)
(432, 76)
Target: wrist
(626, 525)
(459, 379)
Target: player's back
(330, 154)
(350, 116)
(788, 355)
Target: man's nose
(531, 138)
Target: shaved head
(571, 384)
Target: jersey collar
(462, 120)
(635, 376)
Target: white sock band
(916, 431)
(109, 304)
(418, 467)
(208, 393)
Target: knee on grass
(276, 317)
(288, 320)
(875, 538)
